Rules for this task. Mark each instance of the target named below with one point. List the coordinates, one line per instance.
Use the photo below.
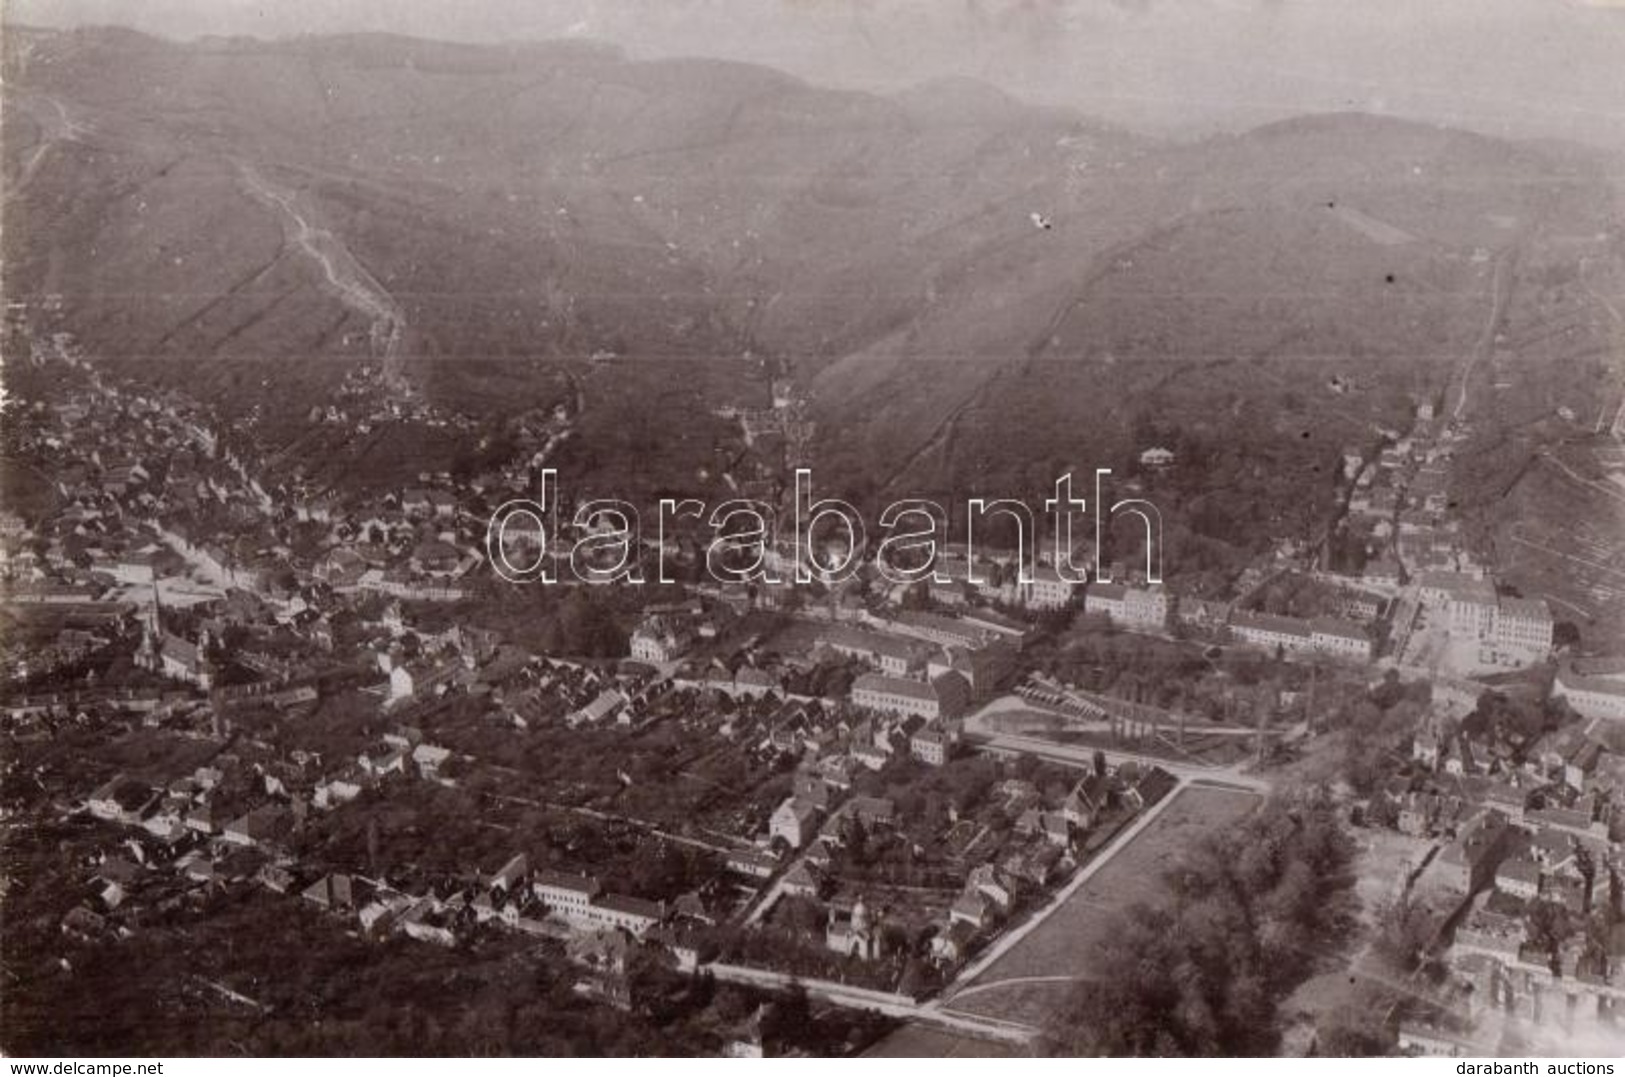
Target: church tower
(149, 655)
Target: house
(659, 640)
(932, 745)
(1569, 755)
(426, 921)
(83, 923)
(430, 759)
(275, 878)
(1518, 876)
(509, 876)
(123, 800)
(263, 824)
(604, 951)
(1157, 458)
(802, 880)
(603, 705)
(753, 862)
(951, 944)
(380, 764)
(1425, 749)
(972, 908)
(1056, 828)
(1086, 801)
(795, 821)
(1049, 590)
(332, 892)
(986, 880)
(1468, 863)
(692, 908)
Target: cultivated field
(1028, 981)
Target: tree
(1404, 930)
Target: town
(609, 538)
(235, 697)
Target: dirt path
(344, 275)
(1499, 293)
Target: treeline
(1201, 969)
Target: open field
(918, 1041)
(1027, 982)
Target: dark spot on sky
(1389, 278)
(1306, 433)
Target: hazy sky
(1505, 66)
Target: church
(172, 656)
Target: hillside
(261, 219)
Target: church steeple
(147, 656)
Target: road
(881, 1002)
(1083, 755)
(56, 127)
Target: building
(1469, 863)
(636, 916)
(1328, 636)
(1129, 607)
(853, 933)
(580, 901)
(659, 640)
(795, 821)
(1342, 639)
(122, 800)
(1383, 572)
(890, 655)
(1594, 687)
(946, 697)
(1156, 458)
(1270, 631)
(563, 892)
(932, 745)
(1049, 590)
(1475, 611)
(1524, 623)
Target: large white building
(945, 697)
(1344, 639)
(1131, 607)
(1049, 590)
(658, 640)
(580, 901)
(1294, 635)
(1475, 611)
(1594, 687)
